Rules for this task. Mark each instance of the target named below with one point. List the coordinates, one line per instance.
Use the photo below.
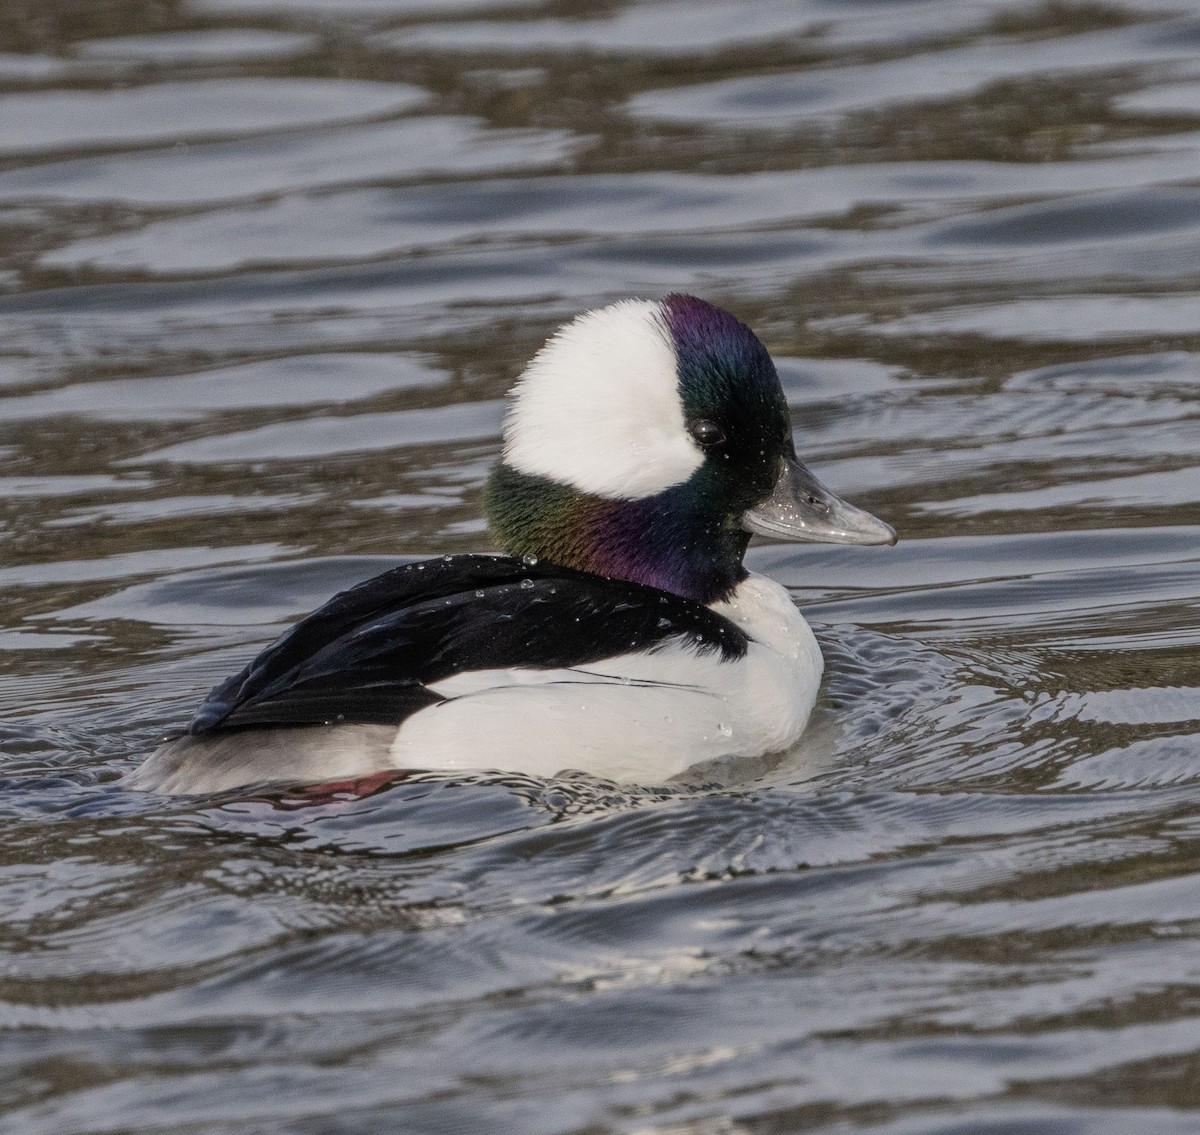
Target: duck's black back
(370, 654)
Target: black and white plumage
(373, 654)
(623, 638)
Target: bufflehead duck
(619, 636)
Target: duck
(617, 634)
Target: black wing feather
(369, 654)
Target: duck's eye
(706, 432)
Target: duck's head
(646, 441)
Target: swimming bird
(619, 635)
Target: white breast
(636, 717)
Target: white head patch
(598, 408)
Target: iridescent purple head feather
(637, 439)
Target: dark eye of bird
(706, 432)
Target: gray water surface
(266, 270)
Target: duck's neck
(667, 541)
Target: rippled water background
(266, 269)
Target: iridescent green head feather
(636, 443)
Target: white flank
(637, 717)
(223, 761)
(598, 408)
